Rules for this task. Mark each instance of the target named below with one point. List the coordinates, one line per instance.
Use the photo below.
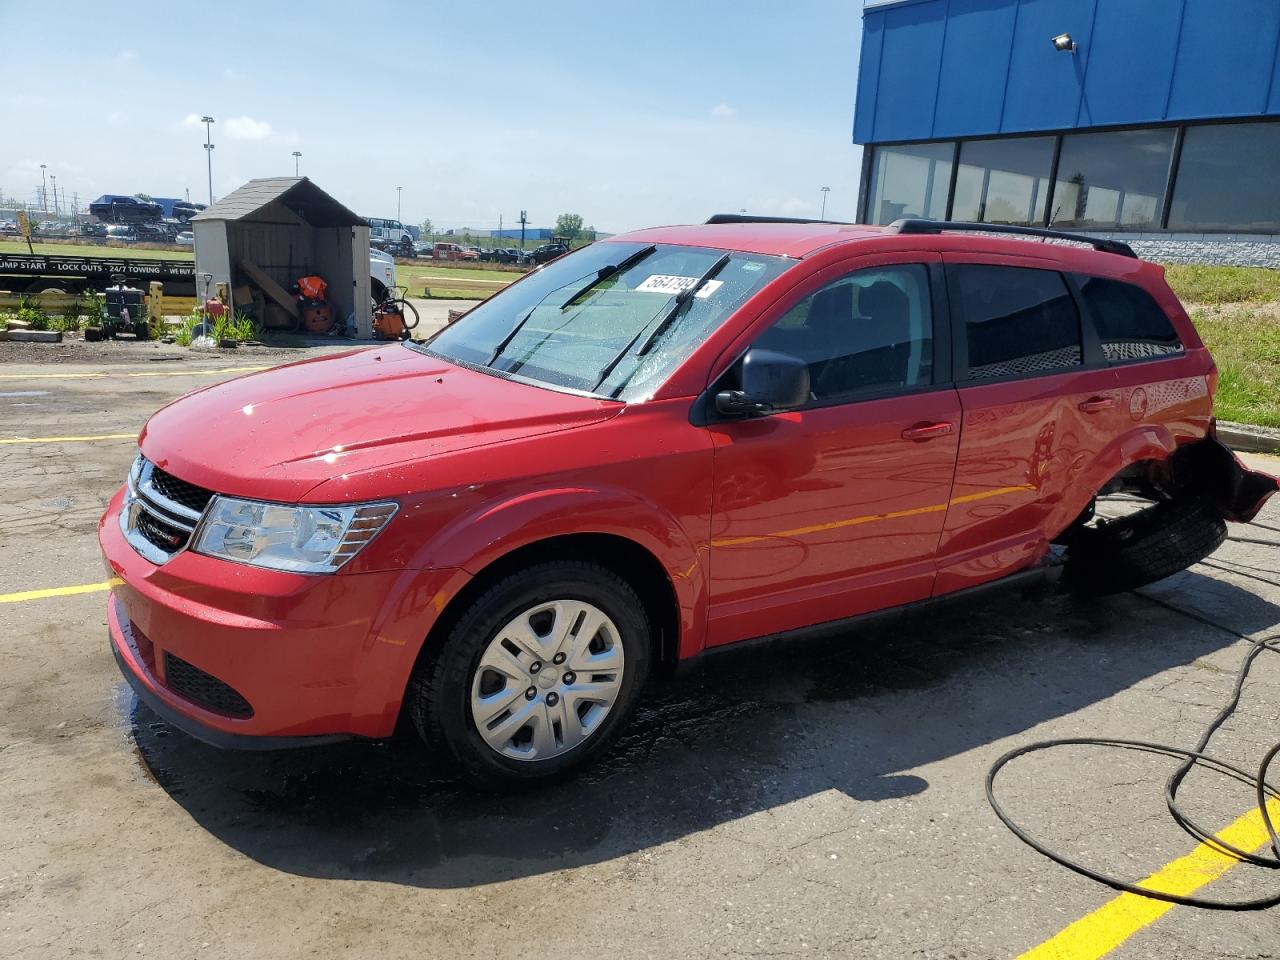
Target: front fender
(475, 539)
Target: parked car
(423, 248)
(121, 231)
(548, 252)
(8, 227)
(185, 239)
(93, 229)
(752, 429)
(471, 253)
(118, 208)
(444, 250)
(154, 232)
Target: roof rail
(937, 226)
(752, 218)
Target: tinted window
(1130, 323)
(910, 181)
(1227, 179)
(1017, 321)
(869, 332)
(1003, 181)
(1112, 179)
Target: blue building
(1155, 121)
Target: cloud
(247, 128)
(723, 111)
(116, 119)
(125, 56)
(191, 120)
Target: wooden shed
(286, 228)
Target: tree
(569, 225)
(589, 235)
(144, 197)
(428, 229)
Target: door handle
(1097, 404)
(927, 431)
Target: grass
(94, 250)
(418, 276)
(1214, 286)
(1237, 311)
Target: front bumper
(297, 656)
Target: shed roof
(299, 194)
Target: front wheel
(537, 675)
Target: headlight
(296, 539)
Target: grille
(179, 491)
(157, 532)
(203, 689)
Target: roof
(299, 194)
(772, 239)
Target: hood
(276, 435)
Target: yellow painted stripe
(98, 375)
(103, 436)
(57, 592)
(1100, 932)
(869, 518)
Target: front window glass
(1227, 176)
(910, 181)
(577, 324)
(1112, 179)
(868, 333)
(1003, 181)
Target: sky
(630, 114)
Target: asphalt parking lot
(822, 801)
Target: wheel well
(377, 289)
(640, 568)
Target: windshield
(581, 323)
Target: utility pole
(825, 191)
(44, 190)
(54, 178)
(524, 219)
(208, 150)
(398, 189)
(297, 155)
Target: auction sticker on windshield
(665, 283)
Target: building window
(1227, 178)
(1003, 181)
(910, 181)
(1130, 323)
(1112, 180)
(1018, 321)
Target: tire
(142, 331)
(1144, 547)
(92, 334)
(445, 695)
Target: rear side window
(1018, 321)
(1130, 323)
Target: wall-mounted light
(1064, 43)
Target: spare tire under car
(1145, 546)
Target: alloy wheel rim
(547, 680)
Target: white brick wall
(1235, 249)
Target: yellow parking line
(1098, 933)
(104, 436)
(57, 592)
(97, 375)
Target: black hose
(1191, 758)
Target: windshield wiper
(608, 271)
(511, 335)
(683, 297)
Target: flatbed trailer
(38, 273)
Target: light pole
(825, 191)
(398, 189)
(54, 178)
(208, 150)
(297, 155)
(44, 190)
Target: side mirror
(771, 382)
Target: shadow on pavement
(748, 732)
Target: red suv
(664, 443)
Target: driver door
(837, 508)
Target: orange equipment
(316, 316)
(313, 288)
